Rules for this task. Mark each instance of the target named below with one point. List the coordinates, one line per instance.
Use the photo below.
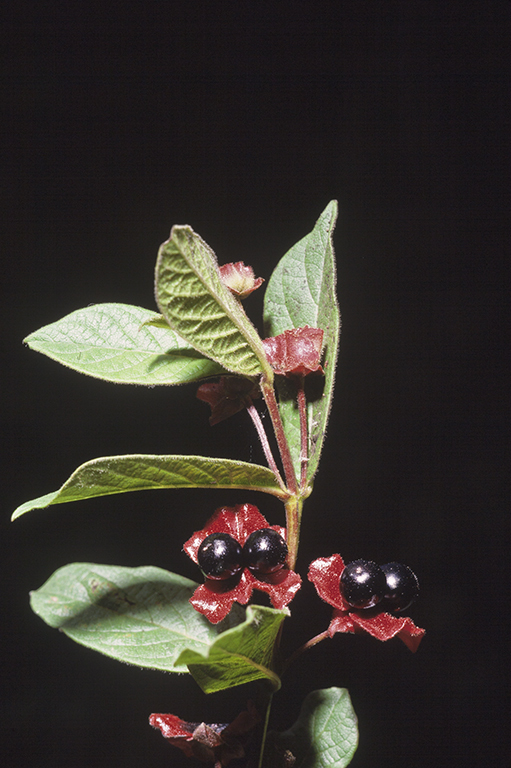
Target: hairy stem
(304, 436)
(263, 437)
(293, 519)
(287, 462)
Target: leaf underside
(325, 734)
(121, 344)
(110, 475)
(196, 304)
(137, 615)
(239, 655)
(302, 291)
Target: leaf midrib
(250, 662)
(220, 297)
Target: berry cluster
(248, 554)
(364, 584)
(220, 556)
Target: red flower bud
(239, 279)
(227, 396)
(296, 352)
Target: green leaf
(121, 343)
(109, 475)
(325, 734)
(302, 291)
(238, 655)
(158, 321)
(137, 615)
(196, 304)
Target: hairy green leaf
(158, 321)
(196, 304)
(119, 343)
(137, 615)
(109, 475)
(239, 655)
(302, 291)
(325, 734)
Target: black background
(243, 119)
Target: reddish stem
(304, 436)
(263, 437)
(287, 462)
(293, 519)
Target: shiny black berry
(402, 586)
(220, 556)
(363, 584)
(264, 551)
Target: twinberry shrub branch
(225, 629)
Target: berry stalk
(304, 436)
(285, 454)
(263, 437)
(309, 644)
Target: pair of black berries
(220, 556)
(364, 584)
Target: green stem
(265, 731)
(285, 454)
(293, 508)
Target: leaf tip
(333, 210)
(17, 513)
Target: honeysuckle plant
(199, 332)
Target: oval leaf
(238, 655)
(196, 303)
(137, 615)
(325, 734)
(109, 475)
(120, 343)
(302, 291)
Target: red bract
(240, 279)
(214, 599)
(325, 574)
(208, 742)
(296, 352)
(227, 396)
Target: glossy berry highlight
(264, 551)
(220, 556)
(363, 584)
(402, 586)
